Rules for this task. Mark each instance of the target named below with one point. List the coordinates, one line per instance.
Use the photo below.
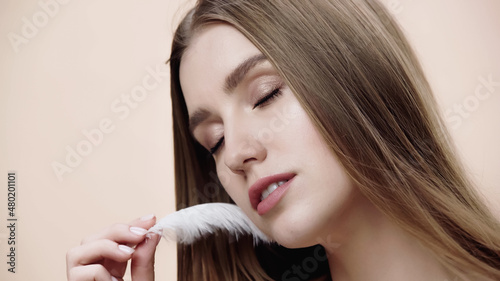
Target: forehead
(212, 54)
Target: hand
(103, 256)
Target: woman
(317, 120)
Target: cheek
(282, 128)
(299, 135)
(233, 184)
(235, 187)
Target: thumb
(143, 259)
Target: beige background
(77, 64)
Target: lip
(255, 192)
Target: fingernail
(160, 234)
(126, 249)
(114, 278)
(138, 230)
(147, 217)
(151, 234)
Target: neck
(371, 247)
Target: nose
(242, 151)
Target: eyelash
(268, 98)
(214, 149)
(260, 103)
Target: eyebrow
(197, 118)
(232, 81)
(239, 73)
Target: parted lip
(255, 191)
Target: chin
(296, 231)
(294, 243)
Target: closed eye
(268, 98)
(260, 103)
(214, 149)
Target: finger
(143, 259)
(89, 273)
(115, 268)
(144, 222)
(97, 251)
(119, 268)
(121, 233)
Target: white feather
(189, 224)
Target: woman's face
(270, 158)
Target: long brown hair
(354, 73)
